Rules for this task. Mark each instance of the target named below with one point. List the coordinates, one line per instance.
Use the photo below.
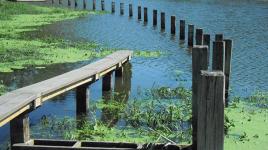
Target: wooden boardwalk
(28, 98)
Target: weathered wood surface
(84, 145)
(211, 111)
(16, 102)
(199, 62)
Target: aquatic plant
(2, 88)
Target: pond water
(245, 22)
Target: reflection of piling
(121, 8)
(82, 97)
(182, 29)
(139, 12)
(163, 20)
(173, 25)
(154, 17)
(227, 70)
(84, 4)
(113, 6)
(102, 5)
(60, 2)
(52, 1)
(75, 3)
(69, 3)
(130, 10)
(190, 35)
(199, 36)
(94, 5)
(145, 17)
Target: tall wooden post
(130, 10)
(227, 70)
(121, 8)
(199, 36)
(94, 5)
(82, 97)
(199, 62)
(139, 12)
(173, 25)
(84, 4)
(20, 129)
(219, 37)
(211, 111)
(163, 21)
(182, 29)
(102, 5)
(113, 6)
(206, 41)
(145, 15)
(218, 59)
(190, 35)
(154, 17)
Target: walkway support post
(211, 111)
(199, 62)
(113, 6)
(173, 25)
(182, 29)
(154, 17)
(139, 12)
(199, 36)
(218, 59)
(82, 97)
(227, 70)
(163, 21)
(145, 15)
(20, 129)
(130, 10)
(121, 8)
(190, 35)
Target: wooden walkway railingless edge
(17, 102)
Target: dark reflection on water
(243, 21)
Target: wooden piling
(227, 70)
(219, 37)
(173, 25)
(84, 4)
(182, 29)
(102, 5)
(218, 59)
(69, 3)
(82, 97)
(199, 62)
(206, 40)
(199, 36)
(75, 3)
(163, 21)
(154, 17)
(145, 14)
(20, 129)
(107, 82)
(190, 35)
(94, 5)
(121, 8)
(113, 7)
(210, 135)
(139, 12)
(130, 10)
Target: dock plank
(13, 102)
